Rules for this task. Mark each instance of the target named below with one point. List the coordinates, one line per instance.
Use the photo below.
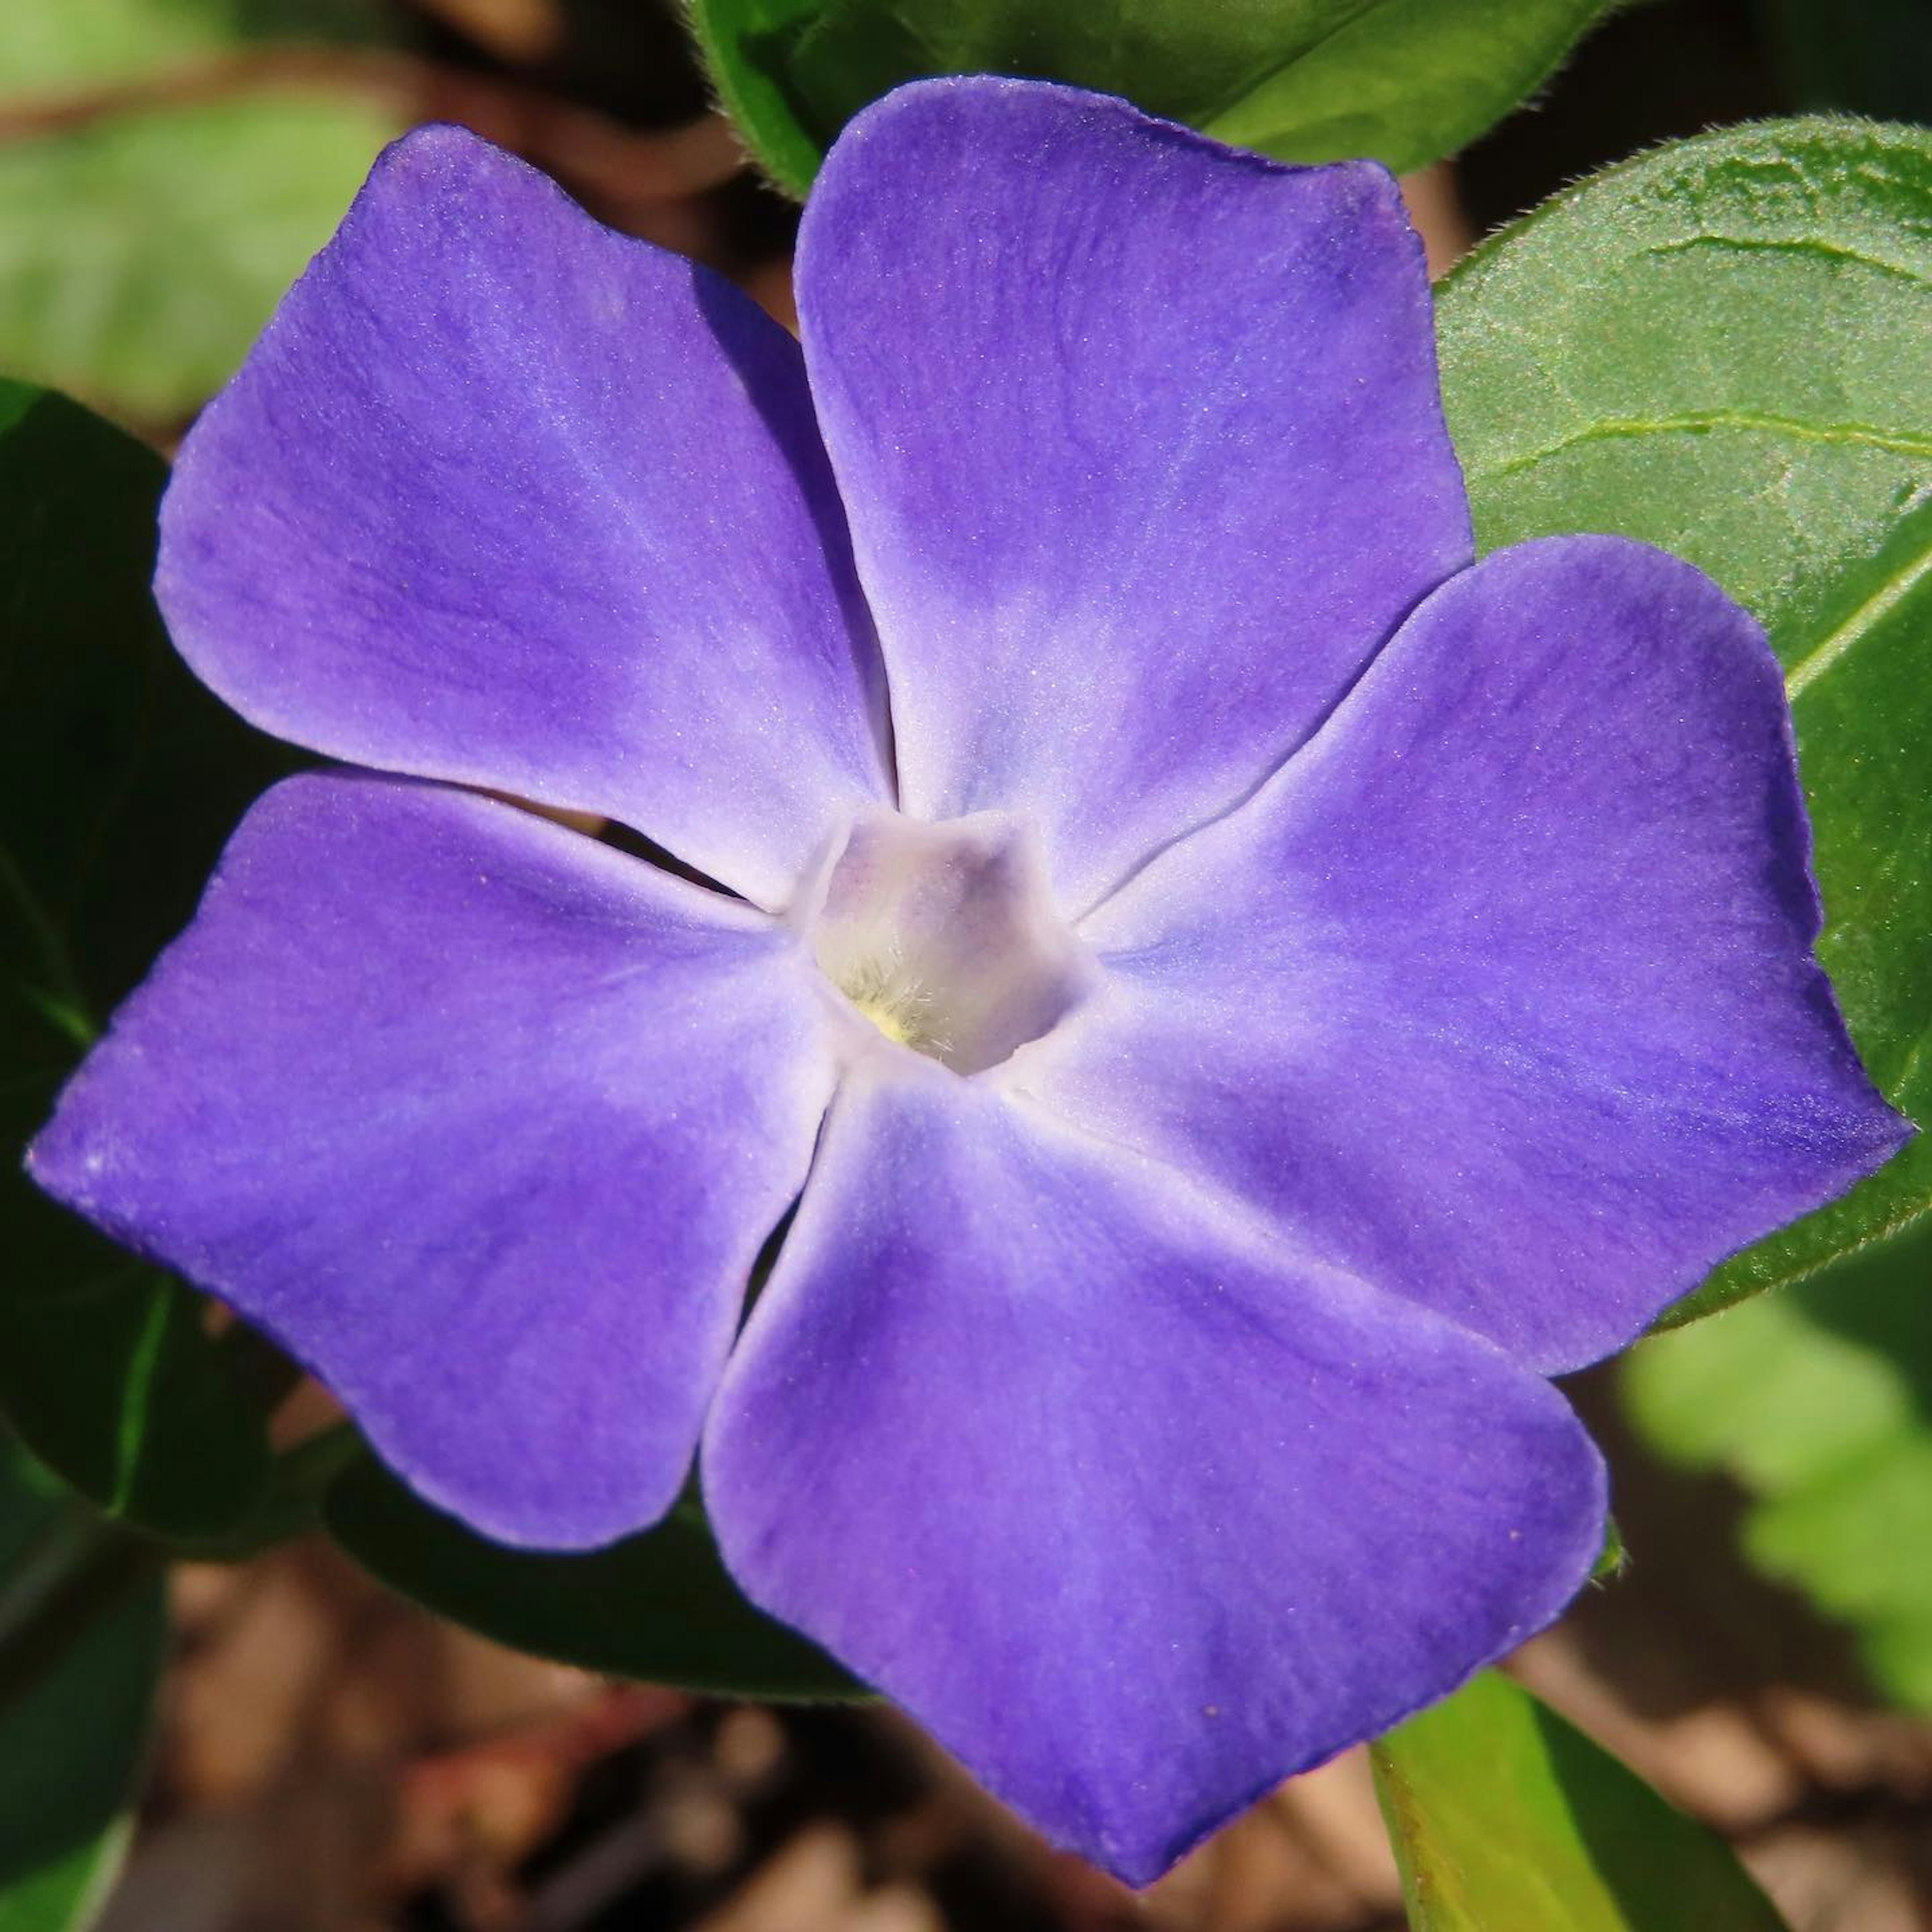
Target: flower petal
(503, 497)
(1141, 443)
(1137, 1514)
(1501, 994)
(482, 1121)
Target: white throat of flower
(943, 939)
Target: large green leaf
(1405, 80)
(659, 1606)
(146, 232)
(119, 778)
(1726, 347)
(74, 1728)
(1506, 1819)
(1819, 1403)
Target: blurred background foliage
(167, 168)
(1817, 1402)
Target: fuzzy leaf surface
(1725, 347)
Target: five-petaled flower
(1244, 991)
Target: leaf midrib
(1874, 611)
(1266, 75)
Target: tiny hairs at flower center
(944, 938)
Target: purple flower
(1246, 991)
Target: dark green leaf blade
(659, 1606)
(1405, 81)
(743, 44)
(120, 778)
(1726, 347)
(1502, 1815)
(73, 1734)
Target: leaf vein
(1703, 422)
(1793, 244)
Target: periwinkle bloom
(1246, 991)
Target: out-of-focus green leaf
(1505, 1818)
(146, 232)
(1867, 56)
(659, 1606)
(1406, 81)
(1819, 1402)
(119, 778)
(50, 44)
(73, 1727)
(1726, 347)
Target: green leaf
(43, 48)
(74, 1730)
(154, 204)
(1819, 1403)
(659, 1606)
(1502, 1815)
(120, 778)
(1726, 347)
(1406, 81)
(1613, 1558)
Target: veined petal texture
(1502, 994)
(484, 1122)
(503, 497)
(1141, 444)
(1138, 1514)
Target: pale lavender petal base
(503, 497)
(1502, 993)
(1141, 444)
(1137, 1513)
(484, 1122)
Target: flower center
(944, 938)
